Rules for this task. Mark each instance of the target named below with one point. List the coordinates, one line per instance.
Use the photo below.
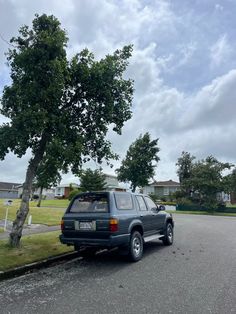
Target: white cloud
(172, 45)
(220, 51)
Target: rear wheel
(136, 246)
(168, 234)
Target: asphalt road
(195, 275)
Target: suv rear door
(88, 216)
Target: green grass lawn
(33, 248)
(54, 203)
(49, 215)
(1, 230)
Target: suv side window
(142, 205)
(151, 205)
(123, 201)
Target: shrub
(73, 193)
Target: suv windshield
(91, 203)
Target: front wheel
(136, 246)
(168, 234)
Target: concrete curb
(18, 271)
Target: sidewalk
(33, 229)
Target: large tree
(92, 180)
(60, 106)
(207, 180)
(140, 162)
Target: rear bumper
(112, 241)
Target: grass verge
(1, 230)
(40, 215)
(33, 248)
(54, 203)
(202, 213)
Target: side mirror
(162, 207)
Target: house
(162, 188)
(63, 190)
(112, 183)
(46, 193)
(9, 190)
(233, 198)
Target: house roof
(7, 186)
(110, 175)
(165, 183)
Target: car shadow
(114, 257)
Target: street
(195, 275)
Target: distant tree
(207, 180)
(233, 181)
(92, 180)
(60, 106)
(48, 175)
(140, 162)
(184, 170)
(230, 181)
(185, 164)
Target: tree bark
(40, 196)
(17, 227)
(133, 188)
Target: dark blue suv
(96, 220)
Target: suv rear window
(123, 201)
(92, 203)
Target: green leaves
(92, 180)
(72, 102)
(140, 162)
(204, 180)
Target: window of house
(166, 191)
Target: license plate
(85, 225)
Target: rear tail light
(62, 225)
(113, 225)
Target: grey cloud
(178, 97)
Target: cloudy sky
(183, 65)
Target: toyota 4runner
(96, 220)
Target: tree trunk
(17, 227)
(133, 188)
(40, 196)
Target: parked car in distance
(96, 220)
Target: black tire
(136, 247)
(168, 234)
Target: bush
(168, 203)
(185, 201)
(73, 193)
(154, 197)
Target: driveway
(195, 275)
